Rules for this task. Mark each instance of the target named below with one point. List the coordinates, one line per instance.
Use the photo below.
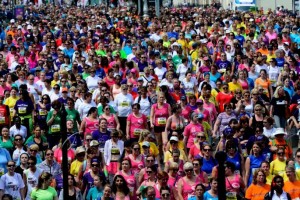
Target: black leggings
(123, 124)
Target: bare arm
(179, 189)
(247, 169)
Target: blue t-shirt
(94, 194)
(208, 196)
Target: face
(70, 180)
(199, 191)
(103, 124)
(95, 166)
(11, 166)
(49, 155)
(5, 132)
(278, 182)
(256, 148)
(125, 165)
(136, 149)
(24, 158)
(107, 192)
(260, 177)
(119, 181)
(165, 195)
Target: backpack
(139, 99)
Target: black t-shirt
(280, 105)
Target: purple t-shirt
(101, 137)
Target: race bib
(231, 196)
(189, 93)
(162, 121)
(22, 110)
(55, 128)
(42, 112)
(125, 104)
(11, 111)
(137, 132)
(2, 120)
(115, 151)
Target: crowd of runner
(149, 101)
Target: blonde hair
(276, 91)
(143, 134)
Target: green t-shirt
(48, 194)
(122, 54)
(85, 75)
(75, 117)
(31, 141)
(55, 127)
(8, 145)
(100, 110)
(100, 52)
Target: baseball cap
(80, 149)
(200, 116)
(183, 98)
(94, 143)
(64, 90)
(199, 101)
(146, 144)
(174, 138)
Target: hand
(152, 125)
(128, 137)
(54, 113)
(273, 148)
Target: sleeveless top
(234, 184)
(188, 189)
(136, 166)
(244, 84)
(160, 114)
(90, 125)
(131, 182)
(111, 122)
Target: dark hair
(73, 179)
(33, 158)
(7, 196)
(166, 188)
(230, 165)
(56, 104)
(175, 107)
(91, 110)
(137, 105)
(124, 187)
(46, 96)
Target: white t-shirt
(12, 185)
(123, 103)
(32, 180)
(188, 86)
(41, 85)
(54, 96)
(274, 74)
(167, 83)
(260, 67)
(145, 105)
(181, 70)
(46, 91)
(84, 108)
(92, 82)
(13, 131)
(32, 89)
(160, 72)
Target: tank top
(110, 82)
(234, 184)
(4, 119)
(115, 91)
(111, 122)
(244, 84)
(131, 181)
(91, 125)
(160, 114)
(187, 189)
(136, 166)
(177, 124)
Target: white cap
(175, 44)
(203, 41)
(251, 20)
(279, 131)
(286, 43)
(19, 27)
(227, 31)
(12, 21)
(29, 26)
(174, 138)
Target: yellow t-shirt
(153, 148)
(234, 86)
(11, 102)
(183, 44)
(269, 179)
(277, 167)
(54, 82)
(168, 155)
(74, 169)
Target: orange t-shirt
(264, 84)
(287, 149)
(257, 192)
(293, 188)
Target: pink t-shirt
(58, 155)
(2, 89)
(136, 125)
(205, 113)
(91, 125)
(186, 112)
(271, 36)
(211, 108)
(191, 132)
(160, 115)
(194, 151)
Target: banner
(19, 11)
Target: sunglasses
(11, 165)
(200, 136)
(19, 139)
(31, 163)
(207, 150)
(49, 154)
(188, 170)
(150, 160)
(95, 165)
(148, 172)
(136, 149)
